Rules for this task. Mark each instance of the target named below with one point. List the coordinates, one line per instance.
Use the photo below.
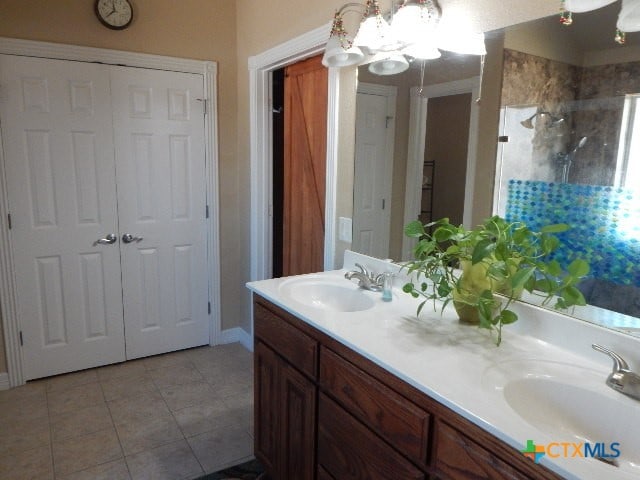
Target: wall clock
(114, 14)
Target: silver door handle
(107, 240)
(128, 238)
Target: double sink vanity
(348, 386)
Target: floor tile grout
(210, 365)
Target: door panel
(160, 163)
(306, 87)
(371, 196)
(58, 150)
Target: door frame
(261, 136)
(208, 69)
(417, 148)
(390, 93)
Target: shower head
(580, 144)
(554, 121)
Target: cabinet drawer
(460, 458)
(383, 410)
(348, 450)
(293, 345)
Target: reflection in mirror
(570, 116)
(570, 151)
(415, 140)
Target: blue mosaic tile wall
(605, 224)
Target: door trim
(55, 51)
(261, 129)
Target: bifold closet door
(58, 156)
(160, 164)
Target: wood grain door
(305, 136)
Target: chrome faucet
(621, 379)
(367, 280)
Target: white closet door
(160, 163)
(58, 155)
(372, 176)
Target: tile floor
(169, 417)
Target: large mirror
(569, 149)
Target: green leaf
(507, 317)
(571, 296)
(414, 229)
(444, 233)
(554, 268)
(578, 268)
(407, 288)
(555, 228)
(482, 250)
(521, 276)
(545, 285)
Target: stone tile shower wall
(591, 99)
(604, 219)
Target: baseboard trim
(4, 381)
(237, 334)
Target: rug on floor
(245, 471)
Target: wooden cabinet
(324, 412)
(285, 398)
(457, 456)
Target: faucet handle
(619, 363)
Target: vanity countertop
(461, 367)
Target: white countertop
(461, 367)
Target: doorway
(445, 159)
(299, 166)
(105, 273)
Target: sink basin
(571, 404)
(326, 294)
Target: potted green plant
(483, 270)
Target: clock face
(116, 14)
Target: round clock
(115, 14)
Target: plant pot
(473, 282)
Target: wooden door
(160, 165)
(58, 156)
(305, 105)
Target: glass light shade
(629, 17)
(579, 6)
(422, 51)
(372, 33)
(408, 22)
(457, 41)
(336, 56)
(390, 65)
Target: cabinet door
(297, 424)
(266, 407)
(460, 458)
(348, 450)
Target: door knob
(107, 240)
(128, 238)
